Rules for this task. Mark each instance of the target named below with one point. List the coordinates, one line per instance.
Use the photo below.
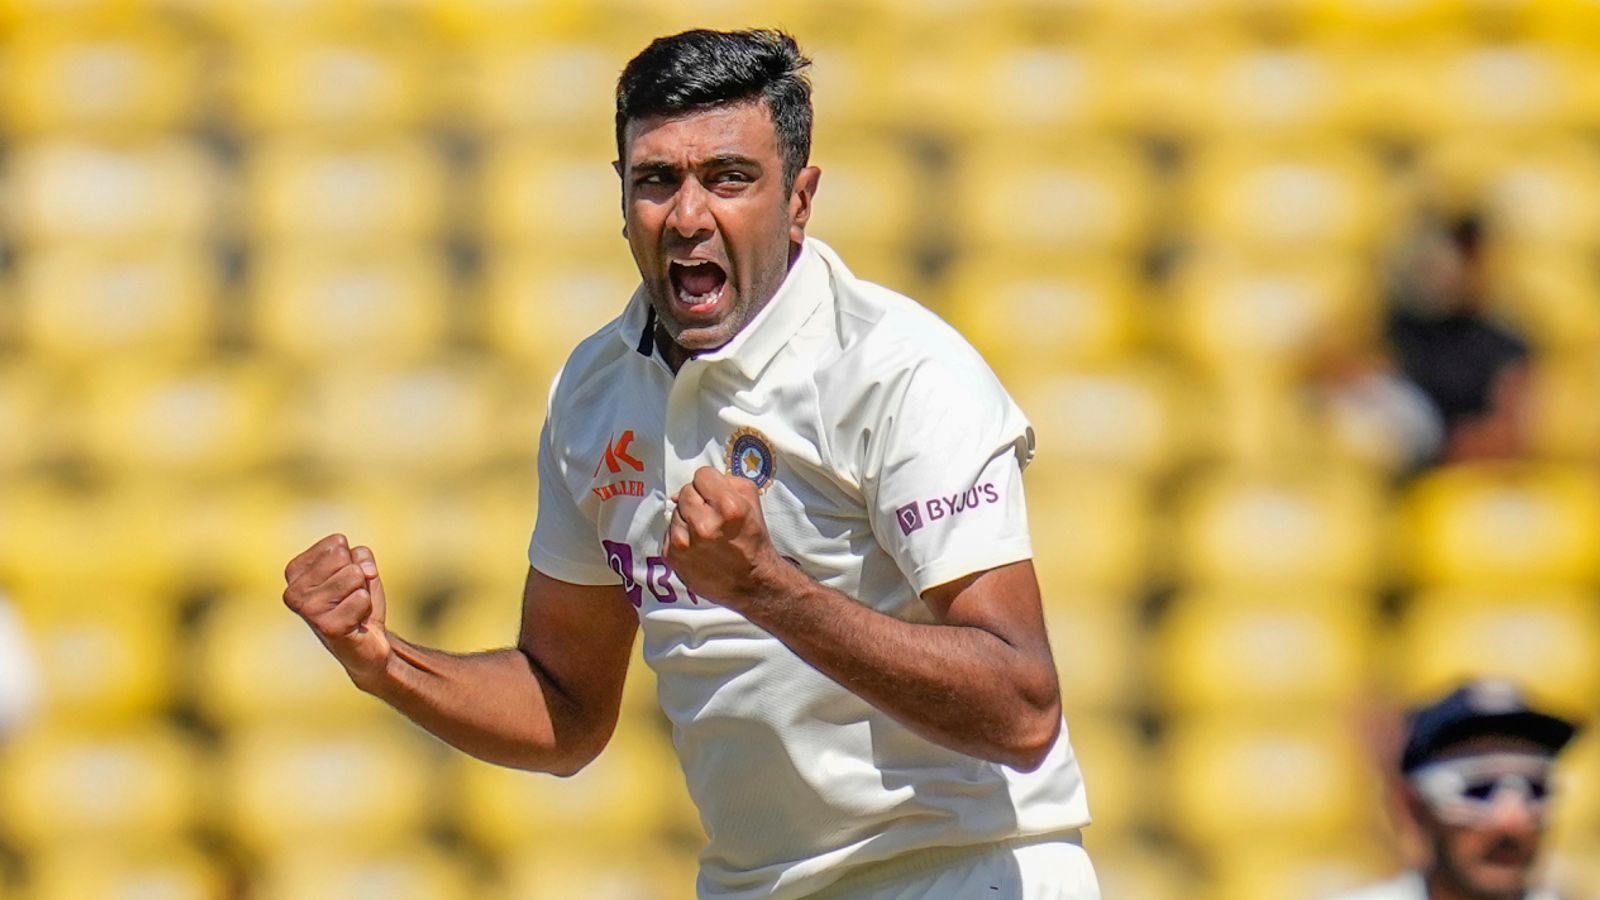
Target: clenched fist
(338, 592)
(717, 541)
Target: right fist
(338, 592)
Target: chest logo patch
(749, 456)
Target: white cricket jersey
(1411, 887)
(889, 459)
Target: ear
(805, 188)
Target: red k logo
(617, 454)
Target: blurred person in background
(1476, 779)
(1368, 408)
(18, 681)
(1473, 368)
(862, 694)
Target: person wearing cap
(1476, 774)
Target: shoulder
(597, 363)
(884, 338)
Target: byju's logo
(910, 518)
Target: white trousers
(1038, 870)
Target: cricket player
(1477, 769)
(805, 491)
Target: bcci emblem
(749, 456)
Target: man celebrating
(806, 490)
(1477, 782)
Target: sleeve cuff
(570, 571)
(948, 567)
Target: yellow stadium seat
(1096, 643)
(287, 788)
(472, 533)
(1563, 420)
(133, 79)
(1091, 531)
(1123, 782)
(1253, 871)
(870, 193)
(1383, 19)
(1024, 82)
(624, 798)
(107, 654)
(409, 870)
(561, 198)
(184, 422)
(597, 868)
(117, 871)
(1550, 295)
(257, 663)
(1317, 197)
(122, 787)
(27, 415)
(1135, 869)
(1275, 89)
(539, 305)
(160, 191)
(1239, 781)
(1526, 187)
(1045, 316)
(1577, 804)
(1516, 87)
(520, 83)
(1505, 526)
(1128, 417)
(390, 302)
(1264, 651)
(331, 82)
(1297, 531)
(81, 302)
(1233, 311)
(55, 538)
(366, 192)
(1546, 641)
(431, 419)
(1082, 196)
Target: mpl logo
(909, 517)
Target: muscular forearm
(962, 687)
(495, 705)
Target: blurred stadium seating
(269, 270)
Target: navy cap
(1487, 706)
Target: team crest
(749, 456)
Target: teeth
(691, 263)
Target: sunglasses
(1466, 791)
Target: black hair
(700, 69)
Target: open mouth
(697, 284)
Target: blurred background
(1302, 296)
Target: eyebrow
(657, 166)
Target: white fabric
(1053, 870)
(872, 409)
(1409, 886)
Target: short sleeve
(945, 477)
(565, 545)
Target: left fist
(717, 541)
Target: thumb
(369, 568)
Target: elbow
(1033, 739)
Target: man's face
(1488, 852)
(709, 219)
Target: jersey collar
(755, 346)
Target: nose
(1513, 813)
(690, 215)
